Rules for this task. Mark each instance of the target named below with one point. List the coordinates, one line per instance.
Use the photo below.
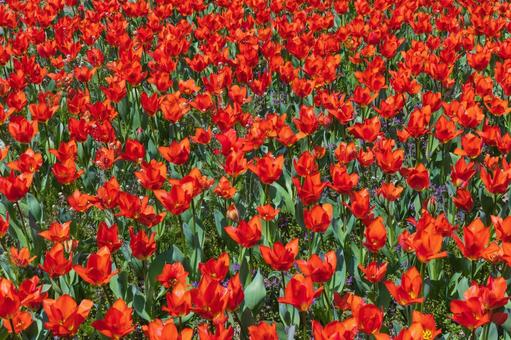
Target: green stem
(25, 230)
(14, 335)
(107, 295)
(303, 322)
(486, 332)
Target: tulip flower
(410, 289)
(318, 218)
(264, 331)
(172, 274)
(65, 316)
(346, 329)
(247, 234)
(98, 270)
(374, 272)
(117, 322)
(178, 301)
(108, 237)
(317, 269)
(216, 269)
(268, 168)
(58, 232)
(423, 326)
(55, 263)
(475, 240)
(280, 257)
(300, 292)
(9, 299)
(375, 235)
(142, 245)
(162, 330)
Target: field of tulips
(255, 169)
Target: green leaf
(34, 207)
(119, 285)
(255, 292)
(139, 304)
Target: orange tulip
(423, 327)
(300, 293)
(475, 240)
(58, 232)
(374, 272)
(318, 218)
(346, 329)
(179, 301)
(172, 274)
(375, 235)
(65, 316)
(417, 178)
(247, 234)
(177, 152)
(20, 257)
(117, 322)
(263, 331)
(502, 228)
(409, 290)
(317, 269)
(55, 264)
(163, 330)
(268, 168)
(21, 321)
(280, 257)
(98, 270)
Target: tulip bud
(232, 213)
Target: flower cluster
(249, 169)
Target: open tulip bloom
(213, 169)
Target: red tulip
(65, 316)
(142, 246)
(172, 274)
(108, 237)
(410, 289)
(280, 257)
(163, 330)
(9, 299)
(55, 263)
(98, 270)
(300, 293)
(318, 218)
(247, 234)
(373, 272)
(375, 235)
(117, 322)
(317, 269)
(268, 168)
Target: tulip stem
(303, 322)
(25, 230)
(283, 281)
(486, 331)
(107, 296)
(14, 335)
(421, 269)
(236, 317)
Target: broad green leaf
(255, 292)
